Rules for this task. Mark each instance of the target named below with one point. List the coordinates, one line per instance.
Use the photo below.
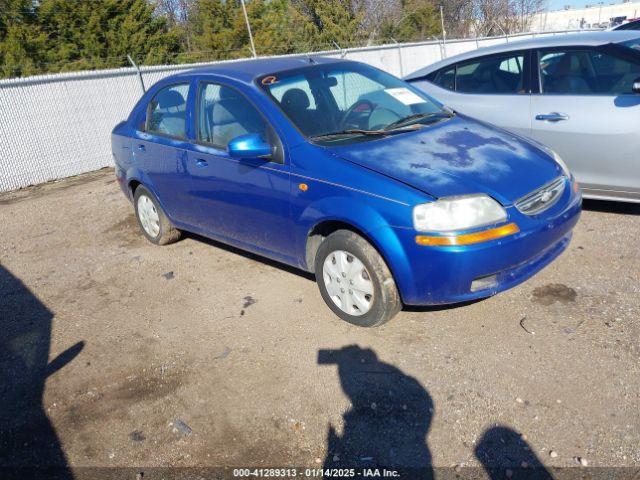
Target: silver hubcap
(348, 282)
(148, 215)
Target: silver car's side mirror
(636, 86)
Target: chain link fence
(56, 126)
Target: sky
(559, 4)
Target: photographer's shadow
(29, 445)
(389, 418)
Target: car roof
(629, 25)
(581, 39)
(247, 70)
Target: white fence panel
(56, 126)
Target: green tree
(213, 34)
(420, 21)
(336, 21)
(278, 28)
(20, 39)
(100, 33)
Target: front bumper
(439, 275)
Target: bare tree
(522, 12)
(178, 14)
(376, 13)
(458, 17)
(499, 17)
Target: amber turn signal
(303, 187)
(468, 238)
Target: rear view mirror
(636, 86)
(250, 145)
(330, 82)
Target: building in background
(597, 15)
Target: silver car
(579, 94)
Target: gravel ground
(116, 352)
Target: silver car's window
(166, 113)
(446, 78)
(634, 44)
(492, 75)
(586, 72)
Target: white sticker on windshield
(405, 96)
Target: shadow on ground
(251, 256)
(604, 206)
(504, 454)
(389, 419)
(28, 441)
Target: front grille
(543, 198)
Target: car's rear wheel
(354, 280)
(152, 220)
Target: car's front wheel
(355, 281)
(152, 220)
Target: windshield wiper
(374, 133)
(408, 120)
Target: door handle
(141, 148)
(201, 163)
(552, 117)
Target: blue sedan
(340, 169)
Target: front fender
(362, 216)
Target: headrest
(170, 98)
(482, 74)
(295, 99)
(567, 65)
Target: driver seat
(295, 103)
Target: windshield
(349, 100)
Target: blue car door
(159, 150)
(245, 201)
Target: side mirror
(636, 86)
(250, 145)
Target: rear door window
(586, 72)
(167, 111)
(500, 74)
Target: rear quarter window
(445, 78)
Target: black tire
(167, 233)
(385, 302)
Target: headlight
(457, 213)
(560, 162)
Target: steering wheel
(356, 108)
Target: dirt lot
(115, 352)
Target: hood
(457, 157)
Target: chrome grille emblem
(546, 196)
(543, 198)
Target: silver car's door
(587, 113)
(492, 88)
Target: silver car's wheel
(348, 282)
(148, 215)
